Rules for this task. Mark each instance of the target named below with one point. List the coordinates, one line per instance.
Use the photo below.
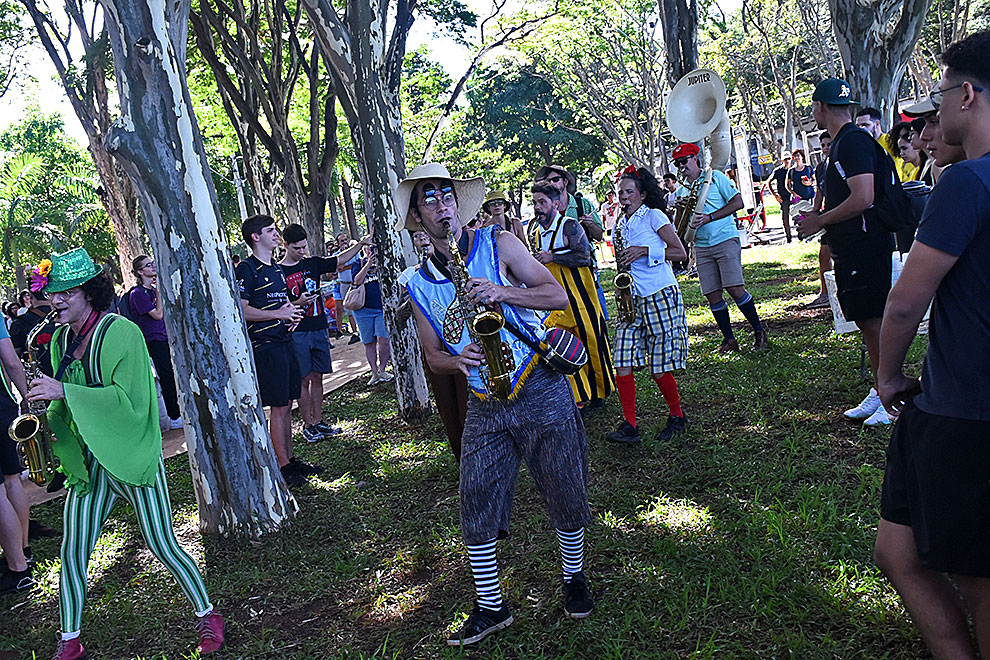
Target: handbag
(560, 350)
(354, 298)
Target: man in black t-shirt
(779, 190)
(824, 253)
(270, 316)
(935, 498)
(861, 246)
(310, 339)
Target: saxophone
(30, 430)
(484, 327)
(623, 279)
(694, 202)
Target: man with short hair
(561, 245)
(779, 190)
(718, 253)
(869, 120)
(671, 185)
(861, 246)
(310, 339)
(933, 539)
(270, 316)
(538, 422)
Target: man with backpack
(858, 194)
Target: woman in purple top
(146, 305)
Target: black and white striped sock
(484, 568)
(571, 551)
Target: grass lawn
(749, 537)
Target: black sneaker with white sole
(304, 468)
(578, 601)
(13, 582)
(626, 434)
(312, 434)
(479, 625)
(328, 430)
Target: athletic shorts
(719, 266)
(312, 349)
(279, 380)
(10, 461)
(371, 324)
(863, 282)
(937, 483)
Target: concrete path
(349, 364)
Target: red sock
(627, 396)
(668, 387)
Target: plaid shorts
(658, 333)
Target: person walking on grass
(933, 538)
(657, 334)
(539, 423)
(104, 411)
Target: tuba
(623, 280)
(484, 327)
(30, 430)
(696, 110)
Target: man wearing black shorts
(270, 316)
(935, 509)
(861, 246)
(310, 340)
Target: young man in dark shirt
(270, 316)
(861, 246)
(935, 498)
(310, 339)
(779, 190)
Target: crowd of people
(518, 347)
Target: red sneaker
(210, 629)
(71, 649)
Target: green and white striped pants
(84, 518)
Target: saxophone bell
(623, 280)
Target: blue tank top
(434, 294)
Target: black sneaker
(13, 582)
(479, 625)
(28, 558)
(39, 530)
(355, 338)
(578, 601)
(626, 433)
(328, 430)
(675, 427)
(304, 468)
(292, 476)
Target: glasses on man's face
(434, 199)
(680, 162)
(938, 94)
(65, 295)
(555, 178)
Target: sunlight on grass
(681, 516)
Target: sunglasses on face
(681, 162)
(555, 178)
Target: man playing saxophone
(538, 422)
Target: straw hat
(71, 269)
(495, 196)
(545, 171)
(470, 194)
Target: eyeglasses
(555, 178)
(65, 295)
(681, 162)
(938, 94)
(147, 264)
(434, 200)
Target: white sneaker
(374, 380)
(878, 418)
(866, 407)
(174, 424)
(385, 377)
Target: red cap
(683, 150)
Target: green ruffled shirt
(110, 410)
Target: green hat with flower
(70, 269)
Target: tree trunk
(348, 199)
(875, 45)
(679, 20)
(238, 484)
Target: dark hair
(293, 234)
(254, 225)
(918, 124)
(21, 295)
(136, 264)
(99, 291)
(648, 185)
(873, 114)
(824, 134)
(897, 130)
(970, 57)
(798, 151)
(546, 189)
(10, 309)
(670, 175)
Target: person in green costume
(104, 413)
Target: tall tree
(679, 19)
(14, 39)
(238, 485)
(876, 39)
(365, 44)
(84, 79)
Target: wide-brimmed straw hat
(545, 171)
(495, 196)
(71, 269)
(470, 194)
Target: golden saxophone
(685, 207)
(623, 279)
(484, 327)
(30, 430)
(534, 236)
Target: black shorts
(279, 380)
(937, 483)
(863, 282)
(10, 460)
